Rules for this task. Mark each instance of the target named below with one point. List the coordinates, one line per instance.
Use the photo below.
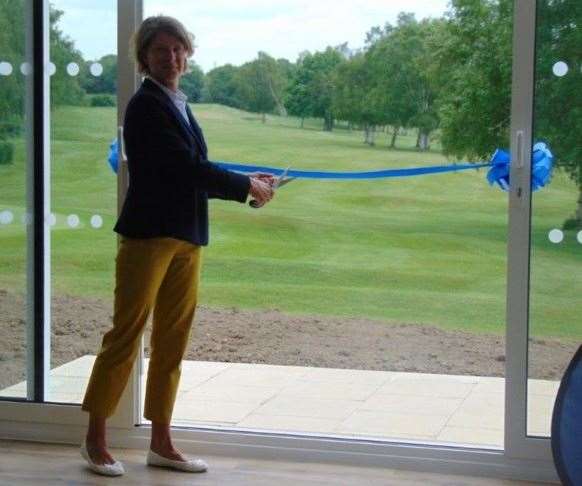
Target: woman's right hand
(261, 191)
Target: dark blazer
(170, 177)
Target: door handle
(519, 149)
(121, 144)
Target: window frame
(522, 458)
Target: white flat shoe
(193, 465)
(115, 469)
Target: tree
(260, 86)
(287, 71)
(12, 87)
(394, 78)
(472, 69)
(310, 92)
(106, 82)
(401, 93)
(221, 86)
(322, 66)
(65, 89)
(296, 100)
(558, 108)
(276, 74)
(473, 66)
(192, 83)
(426, 119)
(12, 47)
(353, 83)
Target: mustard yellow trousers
(159, 274)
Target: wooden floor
(23, 463)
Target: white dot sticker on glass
(52, 219)
(26, 219)
(51, 69)
(560, 69)
(73, 220)
(5, 68)
(72, 69)
(6, 217)
(26, 68)
(96, 221)
(556, 236)
(96, 69)
(579, 237)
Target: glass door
(83, 189)
(373, 308)
(555, 322)
(16, 170)
(544, 242)
(434, 262)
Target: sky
(233, 31)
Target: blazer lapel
(192, 129)
(179, 116)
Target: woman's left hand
(261, 191)
(263, 176)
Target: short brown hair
(147, 32)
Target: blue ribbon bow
(541, 170)
(113, 157)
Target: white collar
(174, 95)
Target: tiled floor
(464, 410)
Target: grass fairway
(429, 249)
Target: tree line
(448, 77)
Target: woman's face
(166, 59)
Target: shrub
(10, 127)
(103, 100)
(6, 152)
(572, 224)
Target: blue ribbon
(374, 174)
(542, 164)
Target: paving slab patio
(466, 410)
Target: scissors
(279, 181)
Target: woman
(163, 225)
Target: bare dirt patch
(273, 337)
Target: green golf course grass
(428, 250)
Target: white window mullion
(517, 444)
(37, 101)
(129, 17)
